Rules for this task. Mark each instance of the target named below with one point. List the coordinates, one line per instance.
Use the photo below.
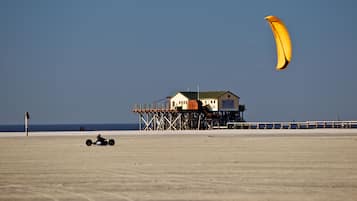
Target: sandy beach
(191, 165)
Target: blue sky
(89, 61)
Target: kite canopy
(282, 40)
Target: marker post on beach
(27, 117)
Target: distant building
(191, 110)
(215, 101)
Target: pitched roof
(191, 95)
(212, 94)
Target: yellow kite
(282, 40)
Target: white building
(214, 100)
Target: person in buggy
(101, 139)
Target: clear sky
(89, 61)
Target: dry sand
(205, 166)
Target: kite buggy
(101, 141)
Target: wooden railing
(292, 125)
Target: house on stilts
(191, 110)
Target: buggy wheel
(89, 142)
(111, 142)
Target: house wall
(228, 102)
(179, 100)
(211, 102)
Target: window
(228, 104)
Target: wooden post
(27, 117)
